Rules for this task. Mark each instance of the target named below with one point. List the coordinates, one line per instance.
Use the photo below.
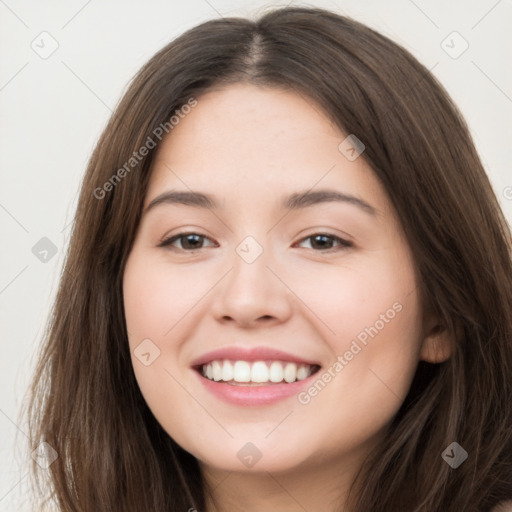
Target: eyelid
(343, 243)
(167, 240)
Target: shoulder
(504, 506)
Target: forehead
(244, 120)
(250, 143)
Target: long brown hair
(84, 400)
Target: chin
(259, 455)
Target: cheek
(154, 300)
(374, 335)
(157, 299)
(362, 292)
(369, 316)
(368, 381)
(158, 296)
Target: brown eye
(189, 241)
(323, 242)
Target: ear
(438, 343)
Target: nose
(253, 293)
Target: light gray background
(53, 109)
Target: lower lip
(253, 395)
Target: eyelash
(344, 244)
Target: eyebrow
(295, 201)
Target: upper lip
(250, 354)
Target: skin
(250, 146)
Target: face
(317, 294)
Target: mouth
(255, 373)
(256, 376)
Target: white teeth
(276, 372)
(227, 371)
(216, 370)
(302, 372)
(242, 372)
(259, 372)
(256, 372)
(290, 372)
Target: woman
(289, 287)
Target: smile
(250, 373)
(253, 376)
